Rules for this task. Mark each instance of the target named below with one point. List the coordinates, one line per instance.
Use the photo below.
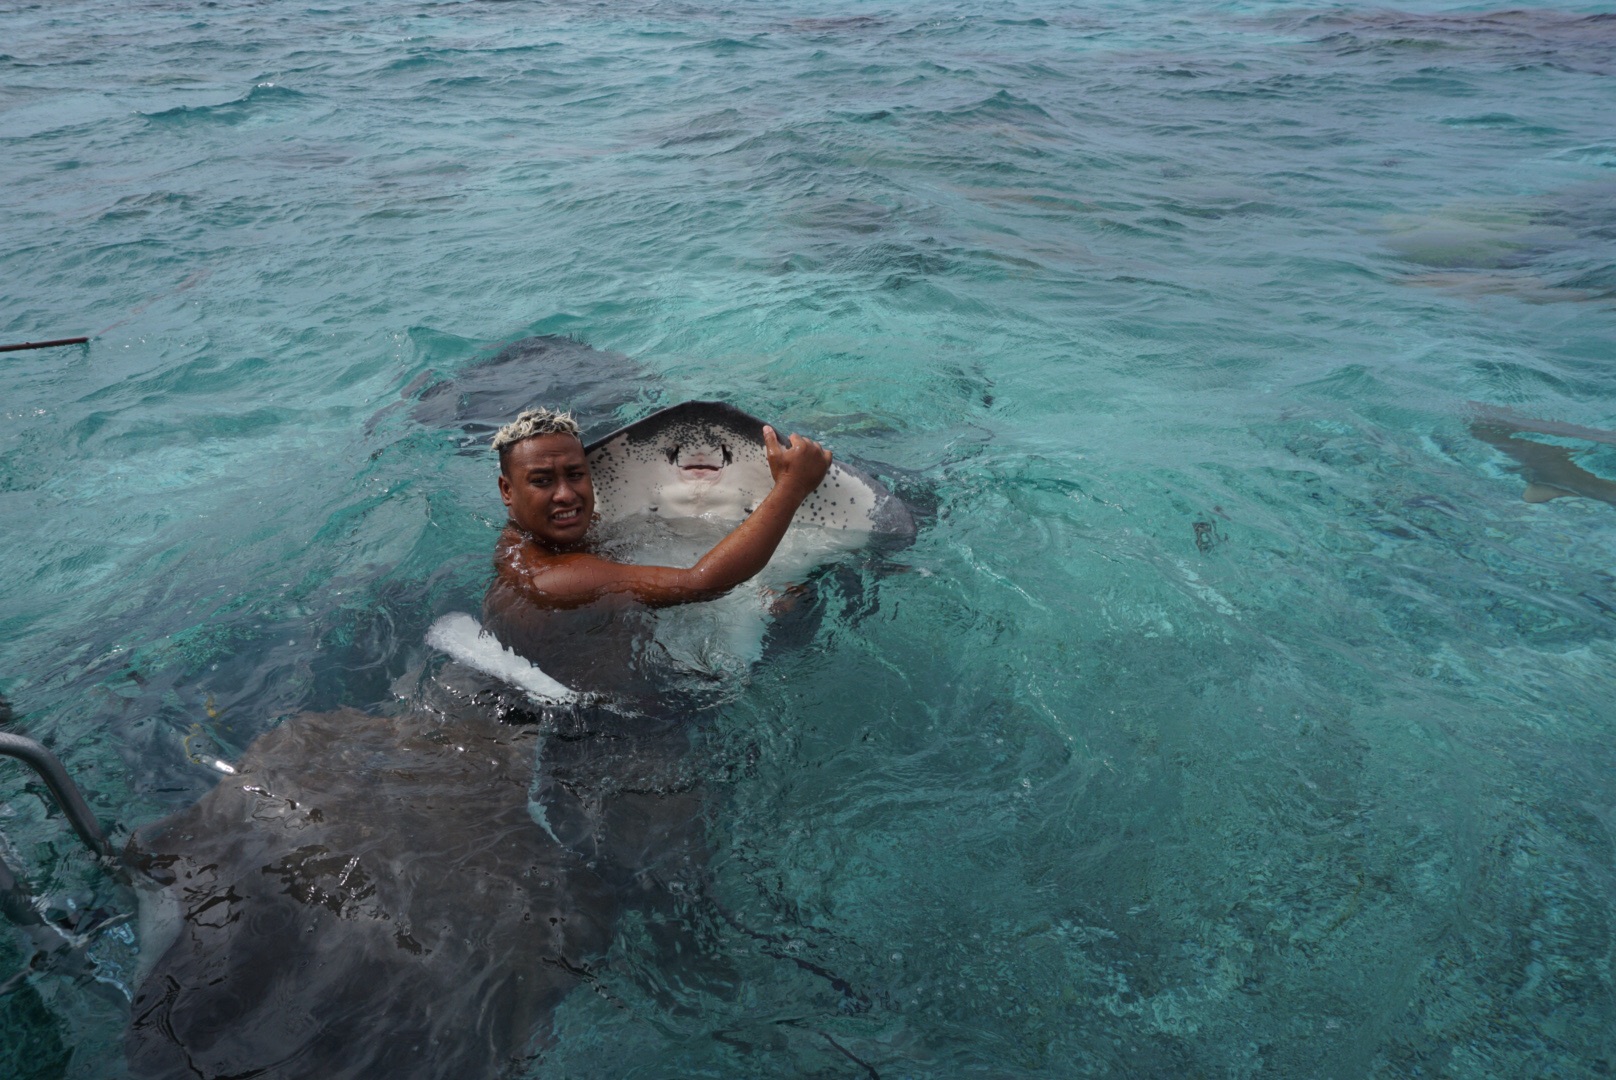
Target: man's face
(546, 486)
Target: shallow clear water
(1233, 713)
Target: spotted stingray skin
(706, 459)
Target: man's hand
(801, 465)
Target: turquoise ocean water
(1233, 714)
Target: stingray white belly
(706, 459)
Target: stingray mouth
(699, 463)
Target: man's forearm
(747, 549)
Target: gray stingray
(366, 896)
(410, 893)
(1549, 470)
(546, 370)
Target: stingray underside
(706, 459)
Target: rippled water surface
(1233, 713)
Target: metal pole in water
(44, 344)
(62, 789)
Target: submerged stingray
(545, 370)
(367, 896)
(1548, 249)
(411, 893)
(1521, 284)
(1549, 469)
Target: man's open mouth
(561, 517)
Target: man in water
(543, 554)
(615, 788)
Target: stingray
(366, 896)
(1547, 249)
(410, 893)
(1548, 468)
(667, 488)
(705, 459)
(545, 370)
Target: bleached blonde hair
(531, 424)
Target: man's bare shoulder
(540, 572)
(519, 553)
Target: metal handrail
(66, 793)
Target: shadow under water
(548, 369)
